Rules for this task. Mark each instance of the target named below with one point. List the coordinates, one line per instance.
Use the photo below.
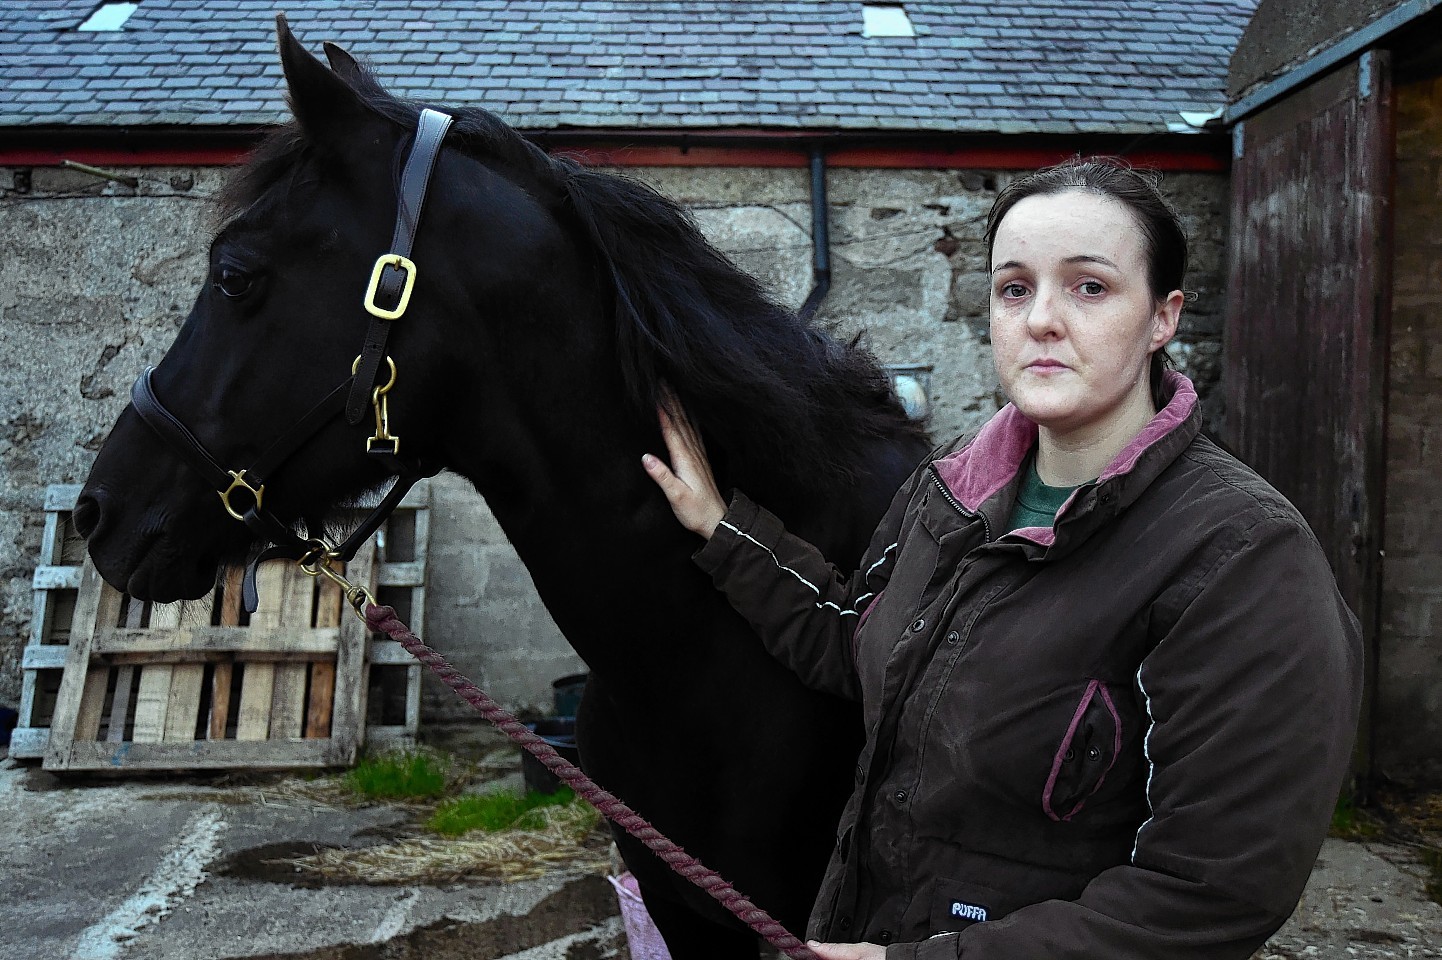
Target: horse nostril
(87, 515)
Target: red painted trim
(889, 158)
(148, 157)
(1206, 158)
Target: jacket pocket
(956, 905)
(1086, 755)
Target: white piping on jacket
(1151, 765)
(853, 612)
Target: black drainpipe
(820, 237)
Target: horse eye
(233, 283)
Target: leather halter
(391, 282)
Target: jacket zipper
(985, 526)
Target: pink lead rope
(383, 620)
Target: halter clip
(317, 562)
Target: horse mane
(778, 400)
(774, 395)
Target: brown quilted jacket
(1119, 737)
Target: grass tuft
(1349, 822)
(402, 775)
(493, 812)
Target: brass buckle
(239, 481)
(383, 261)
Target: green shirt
(1036, 503)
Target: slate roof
(1051, 66)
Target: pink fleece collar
(983, 467)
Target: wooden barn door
(1309, 308)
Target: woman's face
(1073, 319)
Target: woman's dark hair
(1164, 240)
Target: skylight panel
(885, 20)
(109, 16)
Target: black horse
(554, 306)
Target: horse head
(278, 324)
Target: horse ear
(321, 100)
(344, 64)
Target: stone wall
(1409, 707)
(95, 279)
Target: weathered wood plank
(49, 657)
(120, 704)
(257, 685)
(205, 755)
(92, 705)
(231, 596)
(220, 681)
(329, 608)
(27, 743)
(151, 701)
(77, 709)
(411, 573)
(287, 708)
(183, 707)
(62, 496)
(322, 699)
(55, 578)
(348, 712)
(200, 643)
(258, 681)
(297, 612)
(187, 680)
(1309, 293)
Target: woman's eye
(232, 282)
(1093, 289)
(1013, 290)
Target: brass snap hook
(316, 561)
(383, 442)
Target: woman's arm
(804, 610)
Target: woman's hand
(687, 483)
(847, 951)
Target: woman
(1109, 686)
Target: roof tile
(1121, 66)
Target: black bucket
(566, 694)
(559, 732)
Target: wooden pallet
(113, 683)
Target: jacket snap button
(1094, 753)
(1069, 756)
(952, 637)
(899, 796)
(845, 923)
(884, 937)
(918, 626)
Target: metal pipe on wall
(820, 237)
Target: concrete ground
(176, 869)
